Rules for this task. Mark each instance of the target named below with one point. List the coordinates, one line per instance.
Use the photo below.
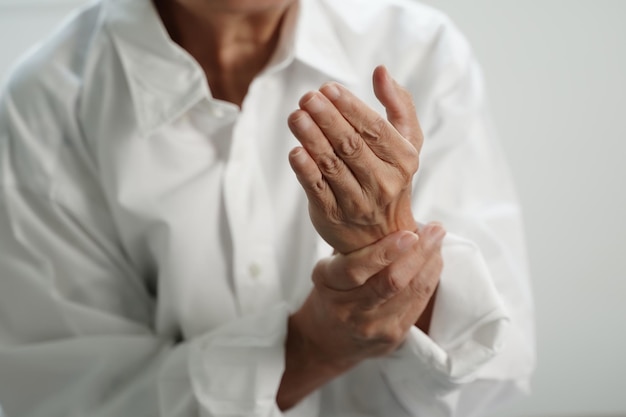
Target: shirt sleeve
(480, 348)
(470, 328)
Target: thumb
(399, 106)
(346, 272)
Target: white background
(556, 73)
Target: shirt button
(255, 270)
(218, 113)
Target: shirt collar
(317, 44)
(165, 81)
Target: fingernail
(331, 91)
(298, 155)
(386, 72)
(302, 121)
(436, 231)
(390, 82)
(314, 104)
(407, 241)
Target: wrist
(306, 369)
(311, 343)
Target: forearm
(305, 369)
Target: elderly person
(203, 211)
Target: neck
(232, 44)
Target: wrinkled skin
(356, 169)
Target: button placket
(255, 275)
(254, 270)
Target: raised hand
(356, 167)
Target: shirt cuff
(236, 369)
(468, 329)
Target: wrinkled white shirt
(153, 240)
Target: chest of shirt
(207, 207)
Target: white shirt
(153, 240)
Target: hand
(356, 167)
(362, 305)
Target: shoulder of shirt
(420, 45)
(54, 66)
(398, 30)
(40, 98)
(414, 20)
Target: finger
(425, 315)
(403, 272)
(433, 233)
(347, 272)
(414, 305)
(309, 176)
(422, 291)
(399, 105)
(379, 134)
(423, 286)
(390, 282)
(335, 172)
(346, 142)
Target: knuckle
(330, 165)
(368, 216)
(382, 337)
(424, 289)
(413, 159)
(361, 211)
(385, 337)
(352, 276)
(410, 163)
(393, 281)
(351, 146)
(388, 191)
(382, 257)
(387, 285)
(318, 187)
(368, 331)
(319, 272)
(393, 336)
(327, 123)
(375, 131)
